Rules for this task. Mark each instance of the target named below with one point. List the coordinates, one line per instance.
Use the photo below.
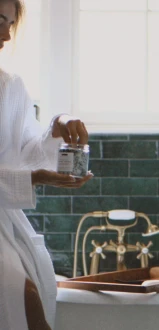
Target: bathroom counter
(79, 309)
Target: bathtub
(79, 309)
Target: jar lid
(74, 146)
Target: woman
(27, 158)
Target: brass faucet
(144, 253)
(96, 254)
(119, 247)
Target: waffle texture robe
(23, 147)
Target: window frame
(62, 77)
(122, 124)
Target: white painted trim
(61, 53)
(75, 56)
(64, 74)
(122, 129)
(101, 122)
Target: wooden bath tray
(121, 281)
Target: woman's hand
(55, 179)
(71, 129)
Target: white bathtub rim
(105, 298)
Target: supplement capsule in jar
(73, 159)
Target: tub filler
(86, 310)
(111, 310)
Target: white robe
(23, 147)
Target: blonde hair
(19, 13)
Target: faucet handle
(98, 249)
(144, 250)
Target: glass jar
(73, 159)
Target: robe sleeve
(16, 191)
(39, 148)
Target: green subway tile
(61, 223)
(80, 272)
(89, 222)
(64, 271)
(39, 190)
(141, 225)
(129, 186)
(153, 218)
(155, 260)
(104, 264)
(68, 223)
(53, 205)
(131, 261)
(148, 137)
(62, 260)
(134, 238)
(94, 149)
(148, 205)
(133, 149)
(144, 168)
(109, 263)
(27, 212)
(155, 240)
(79, 263)
(107, 137)
(158, 187)
(57, 191)
(90, 204)
(58, 242)
(91, 187)
(107, 168)
(37, 222)
(63, 263)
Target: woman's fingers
(82, 133)
(77, 183)
(58, 180)
(77, 132)
(49, 177)
(61, 180)
(71, 129)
